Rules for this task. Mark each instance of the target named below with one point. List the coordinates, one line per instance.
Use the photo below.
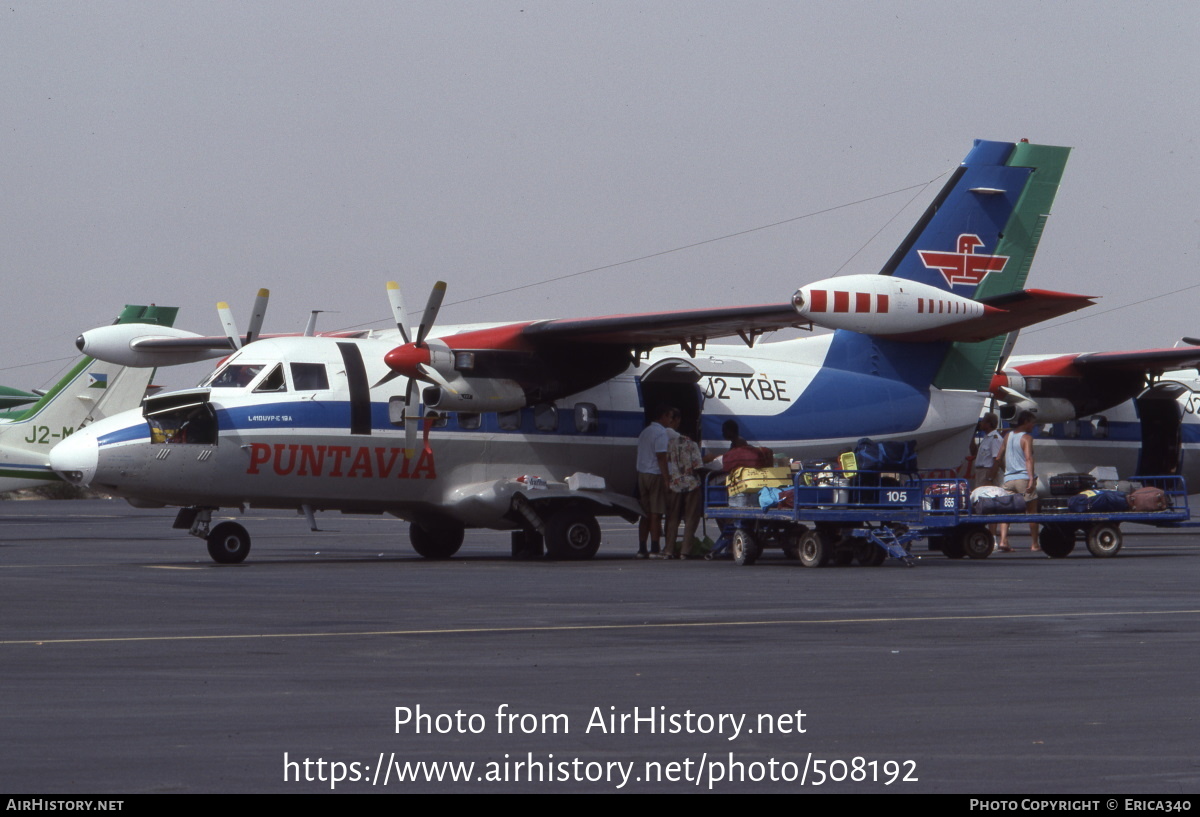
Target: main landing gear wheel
(816, 548)
(441, 542)
(1104, 539)
(976, 541)
(745, 549)
(572, 534)
(1057, 541)
(228, 543)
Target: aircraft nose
(75, 458)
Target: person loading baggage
(1020, 474)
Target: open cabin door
(674, 382)
(181, 417)
(1161, 417)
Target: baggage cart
(843, 517)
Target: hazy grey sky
(186, 153)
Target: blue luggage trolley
(840, 517)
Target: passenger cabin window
(396, 415)
(587, 417)
(236, 376)
(509, 420)
(545, 417)
(310, 377)
(469, 420)
(396, 407)
(273, 382)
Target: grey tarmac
(132, 663)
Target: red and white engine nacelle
(883, 305)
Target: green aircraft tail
(90, 390)
(970, 366)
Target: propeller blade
(229, 325)
(412, 416)
(1009, 343)
(387, 378)
(1013, 396)
(435, 376)
(397, 302)
(431, 309)
(256, 317)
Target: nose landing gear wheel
(441, 542)
(228, 543)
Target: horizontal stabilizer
(1011, 311)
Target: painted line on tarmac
(593, 627)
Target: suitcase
(753, 480)
(1149, 499)
(1071, 484)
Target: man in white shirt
(987, 454)
(653, 487)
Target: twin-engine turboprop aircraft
(531, 426)
(1137, 411)
(91, 390)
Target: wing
(665, 328)
(145, 346)
(221, 343)
(1152, 361)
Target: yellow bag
(753, 480)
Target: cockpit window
(236, 376)
(309, 377)
(274, 381)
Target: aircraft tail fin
(1017, 197)
(92, 389)
(95, 384)
(978, 237)
(976, 240)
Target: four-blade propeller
(416, 354)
